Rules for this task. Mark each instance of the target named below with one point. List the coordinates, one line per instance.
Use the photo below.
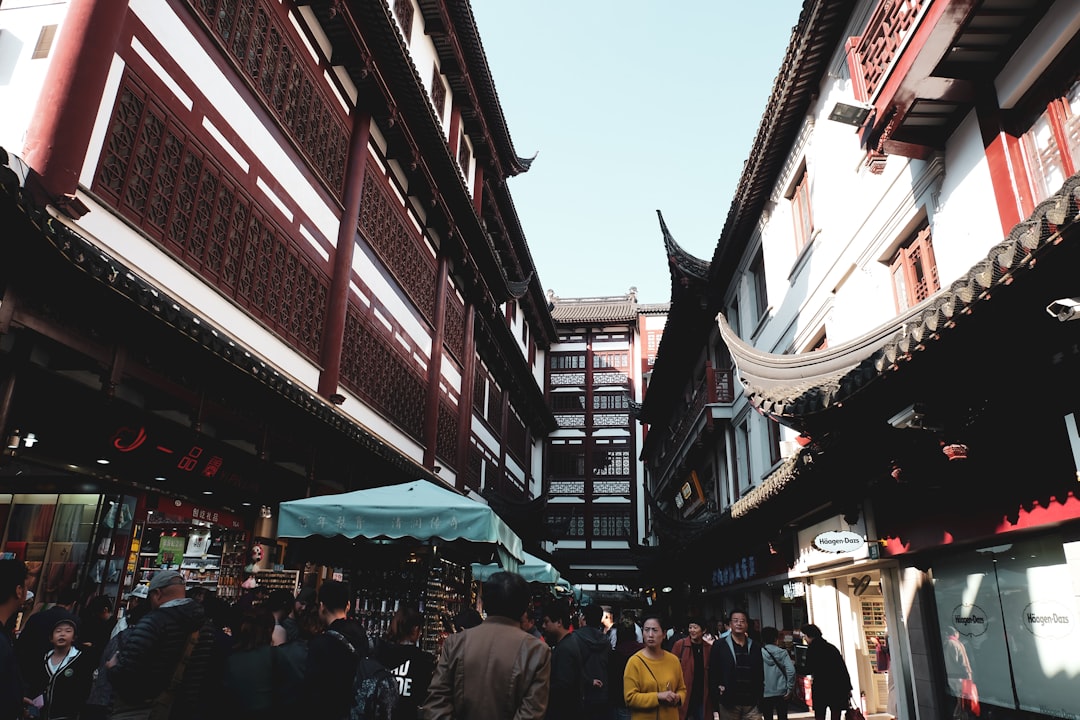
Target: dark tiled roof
(789, 387)
(623, 308)
(773, 382)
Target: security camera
(1065, 308)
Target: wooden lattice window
(263, 48)
(567, 402)
(611, 462)
(446, 434)
(774, 440)
(1052, 145)
(464, 155)
(438, 93)
(611, 401)
(914, 271)
(373, 368)
(757, 277)
(566, 462)
(565, 361)
(566, 524)
(479, 390)
(516, 439)
(403, 11)
(800, 211)
(44, 42)
(164, 181)
(618, 360)
(610, 523)
(455, 327)
(395, 239)
(495, 408)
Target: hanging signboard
(839, 541)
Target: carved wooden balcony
(918, 65)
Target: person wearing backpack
(410, 665)
(333, 655)
(595, 650)
(779, 676)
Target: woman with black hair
(410, 665)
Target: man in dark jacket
(567, 674)
(172, 642)
(333, 655)
(825, 664)
(595, 650)
(737, 672)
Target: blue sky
(631, 106)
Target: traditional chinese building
(893, 284)
(597, 373)
(253, 251)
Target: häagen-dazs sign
(839, 541)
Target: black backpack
(375, 690)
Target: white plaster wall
(21, 76)
(424, 58)
(967, 223)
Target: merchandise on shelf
(438, 588)
(207, 557)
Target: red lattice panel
(165, 182)
(397, 243)
(263, 48)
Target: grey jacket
(494, 671)
(779, 671)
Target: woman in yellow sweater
(653, 683)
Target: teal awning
(532, 569)
(420, 510)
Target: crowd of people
(180, 654)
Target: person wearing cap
(65, 673)
(136, 598)
(693, 653)
(34, 638)
(168, 659)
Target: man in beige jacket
(496, 670)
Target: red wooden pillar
(468, 380)
(1007, 175)
(434, 377)
(63, 120)
(337, 302)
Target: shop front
(408, 544)
(847, 596)
(1000, 584)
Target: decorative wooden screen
(877, 49)
(914, 271)
(390, 233)
(455, 327)
(373, 368)
(516, 438)
(403, 9)
(446, 434)
(263, 48)
(156, 175)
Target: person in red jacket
(693, 653)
